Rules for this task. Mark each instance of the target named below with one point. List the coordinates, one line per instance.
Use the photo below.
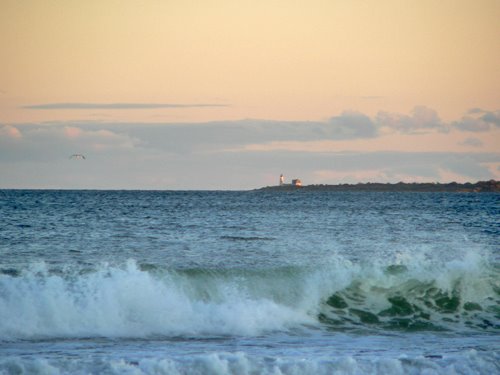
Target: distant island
(452, 187)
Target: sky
(229, 94)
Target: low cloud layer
(473, 142)
(217, 155)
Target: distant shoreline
(452, 187)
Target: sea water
(165, 282)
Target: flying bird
(77, 156)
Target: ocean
(249, 282)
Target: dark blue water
(249, 282)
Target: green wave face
(415, 305)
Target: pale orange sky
(417, 78)
(294, 60)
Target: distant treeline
(481, 186)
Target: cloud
(119, 105)
(98, 140)
(478, 120)
(352, 125)
(225, 135)
(72, 132)
(376, 166)
(349, 130)
(467, 165)
(421, 118)
(474, 110)
(492, 118)
(10, 131)
(400, 166)
(473, 142)
(49, 143)
(472, 124)
(371, 97)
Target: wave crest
(135, 300)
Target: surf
(148, 300)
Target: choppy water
(131, 282)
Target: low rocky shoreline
(452, 187)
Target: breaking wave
(141, 300)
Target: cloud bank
(246, 154)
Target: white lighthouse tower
(282, 180)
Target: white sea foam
(128, 302)
(222, 363)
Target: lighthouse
(282, 180)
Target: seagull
(77, 156)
